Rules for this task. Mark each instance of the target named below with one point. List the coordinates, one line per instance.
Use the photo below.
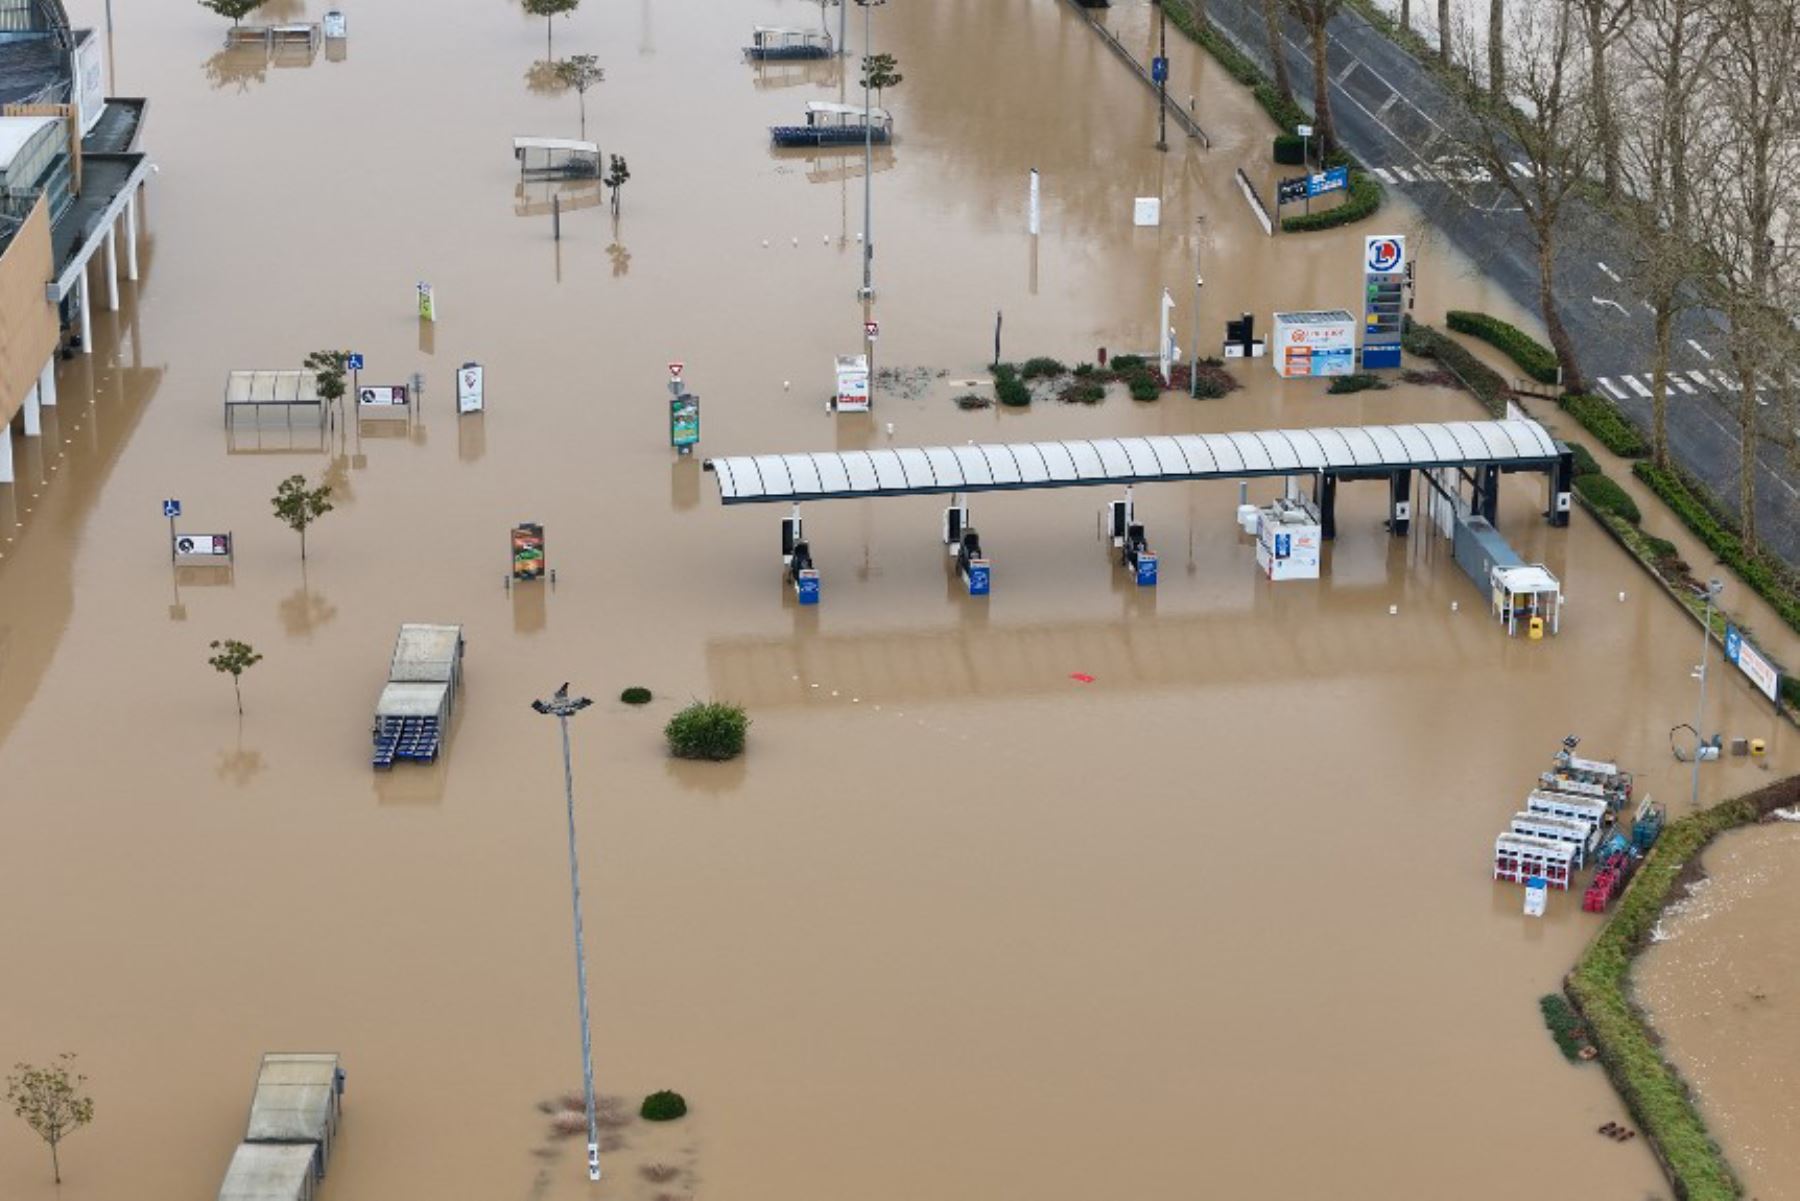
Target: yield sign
(675, 370)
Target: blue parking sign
(171, 509)
(1159, 69)
(353, 360)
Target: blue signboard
(353, 360)
(978, 577)
(171, 509)
(808, 586)
(1159, 70)
(1734, 643)
(1334, 180)
(1146, 570)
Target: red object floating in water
(1082, 676)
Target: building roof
(411, 700)
(268, 1172)
(34, 67)
(295, 1091)
(825, 475)
(16, 133)
(425, 653)
(1532, 577)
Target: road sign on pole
(1159, 69)
(171, 510)
(354, 360)
(871, 330)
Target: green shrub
(707, 730)
(1605, 494)
(1564, 1023)
(1208, 388)
(1790, 691)
(1083, 392)
(1767, 578)
(635, 695)
(1143, 383)
(663, 1106)
(1124, 363)
(1601, 418)
(1585, 463)
(1083, 370)
(1533, 357)
(1474, 374)
(970, 401)
(1003, 371)
(1012, 391)
(1362, 199)
(1360, 382)
(1290, 149)
(1040, 367)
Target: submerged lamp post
(868, 284)
(562, 706)
(1711, 591)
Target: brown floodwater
(959, 925)
(1722, 986)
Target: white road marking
(1699, 377)
(1617, 392)
(1727, 383)
(1601, 300)
(1522, 169)
(1383, 174)
(1648, 307)
(1701, 349)
(1686, 388)
(1403, 173)
(1636, 386)
(1610, 273)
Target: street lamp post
(1162, 84)
(1199, 283)
(1713, 587)
(868, 284)
(562, 706)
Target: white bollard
(1393, 610)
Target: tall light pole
(868, 284)
(1713, 587)
(562, 706)
(1199, 282)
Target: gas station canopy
(828, 475)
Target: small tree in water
(49, 1100)
(328, 367)
(549, 9)
(300, 506)
(880, 71)
(581, 72)
(237, 10)
(234, 658)
(616, 175)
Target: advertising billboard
(471, 380)
(1313, 344)
(1384, 300)
(1762, 673)
(684, 420)
(528, 551)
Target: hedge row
(1533, 357)
(1604, 493)
(1477, 376)
(1768, 578)
(1601, 418)
(1600, 986)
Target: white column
(87, 316)
(47, 384)
(6, 466)
(112, 266)
(131, 272)
(34, 426)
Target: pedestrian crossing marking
(1617, 392)
(1636, 386)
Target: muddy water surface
(1723, 987)
(960, 925)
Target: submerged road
(1390, 111)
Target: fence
(1182, 117)
(1256, 203)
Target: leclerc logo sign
(1384, 255)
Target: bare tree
(1603, 22)
(1750, 116)
(1669, 47)
(1315, 15)
(1545, 127)
(1496, 47)
(1271, 13)
(1444, 31)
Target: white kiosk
(1288, 540)
(852, 384)
(1316, 343)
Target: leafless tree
(1444, 31)
(1496, 50)
(1546, 127)
(1315, 15)
(1271, 13)
(1749, 115)
(1603, 23)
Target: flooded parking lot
(960, 924)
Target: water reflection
(239, 766)
(817, 72)
(303, 610)
(684, 482)
(471, 437)
(710, 779)
(543, 78)
(236, 66)
(540, 197)
(834, 165)
(530, 606)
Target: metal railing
(1182, 117)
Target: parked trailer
(1519, 857)
(1577, 833)
(270, 1172)
(412, 716)
(1592, 810)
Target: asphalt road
(1390, 112)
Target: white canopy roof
(569, 144)
(1530, 578)
(845, 110)
(272, 387)
(16, 133)
(825, 475)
